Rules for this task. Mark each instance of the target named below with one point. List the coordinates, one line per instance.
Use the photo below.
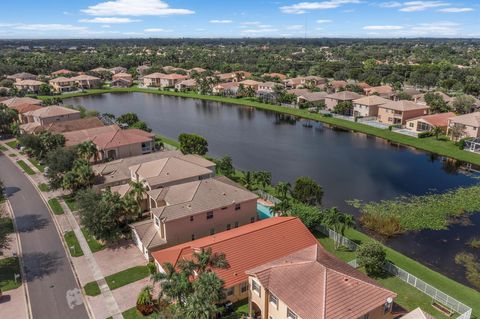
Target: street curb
(20, 258)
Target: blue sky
(242, 18)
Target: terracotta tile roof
(471, 119)
(72, 125)
(246, 247)
(344, 96)
(418, 314)
(383, 89)
(338, 84)
(62, 71)
(80, 136)
(438, 120)
(313, 96)
(84, 77)
(276, 75)
(122, 76)
(371, 100)
(317, 285)
(200, 196)
(189, 82)
(227, 86)
(165, 170)
(403, 105)
(24, 108)
(29, 82)
(61, 79)
(121, 138)
(250, 82)
(52, 111)
(298, 92)
(21, 100)
(100, 69)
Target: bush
(152, 268)
(372, 256)
(461, 143)
(384, 225)
(425, 134)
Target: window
(157, 221)
(273, 300)
(229, 291)
(191, 218)
(237, 206)
(291, 314)
(212, 231)
(243, 287)
(209, 215)
(256, 287)
(411, 124)
(229, 226)
(193, 236)
(365, 316)
(252, 219)
(236, 224)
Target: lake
(347, 165)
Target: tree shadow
(37, 264)
(5, 298)
(29, 223)
(9, 191)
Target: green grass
(73, 244)
(92, 242)
(3, 148)
(43, 187)
(12, 144)
(9, 267)
(133, 313)
(92, 289)
(462, 293)
(430, 144)
(240, 310)
(35, 163)
(12, 155)
(169, 141)
(27, 169)
(55, 206)
(71, 202)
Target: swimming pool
(263, 211)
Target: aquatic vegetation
(472, 267)
(474, 242)
(431, 211)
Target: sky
(35, 19)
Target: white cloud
(382, 27)
(455, 10)
(390, 4)
(49, 27)
(108, 20)
(221, 21)
(303, 7)
(105, 26)
(321, 21)
(295, 27)
(155, 30)
(413, 6)
(134, 8)
(264, 26)
(250, 23)
(259, 31)
(436, 29)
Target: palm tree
(138, 191)
(436, 131)
(247, 180)
(87, 150)
(145, 301)
(338, 222)
(174, 285)
(206, 260)
(263, 178)
(283, 189)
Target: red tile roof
(317, 285)
(438, 120)
(246, 247)
(24, 108)
(62, 71)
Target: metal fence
(437, 295)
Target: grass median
(94, 244)
(9, 267)
(118, 279)
(25, 167)
(55, 206)
(12, 144)
(73, 244)
(37, 164)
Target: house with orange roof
(112, 142)
(28, 86)
(311, 283)
(427, 123)
(193, 210)
(245, 247)
(250, 84)
(163, 80)
(367, 106)
(62, 84)
(469, 124)
(11, 102)
(385, 91)
(62, 72)
(331, 100)
(121, 80)
(85, 81)
(399, 112)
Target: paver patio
(114, 259)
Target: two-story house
(52, 113)
(331, 100)
(399, 112)
(468, 124)
(367, 106)
(163, 80)
(62, 84)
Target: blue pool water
(263, 211)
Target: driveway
(52, 288)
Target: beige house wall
(330, 103)
(28, 88)
(365, 110)
(470, 131)
(60, 118)
(388, 116)
(126, 151)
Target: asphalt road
(53, 291)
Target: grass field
(431, 144)
(118, 279)
(55, 206)
(94, 244)
(73, 244)
(12, 155)
(133, 313)
(8, 268)
(27, 169)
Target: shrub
(145, 301)
(152, 268)
(384, 225)
(424, 134)
(372, 256)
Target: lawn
(6, 225)
(430, 144)
(240, 309)
(36, 164)
(462, 293)
(3, 148)
(71, 202)
(12, 155)
(118, 279)
(8, 268)
(73, 244)
(55, 206)
(43, 187)
(132, 313)
(12, 144)
(27, 169)
(167, 140)
(92, 242)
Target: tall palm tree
(139, 192)
(247, 180)
(87, 150)
(338, 222)
(283, 189)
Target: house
(229, 88)
(313, 284)
(385, 91)
(62, 84)
(99, 70)
(294, 83)
(233, 76)
(118, 172)
(250, 84)
(22, 109)
(195, 70)
(417, 313)
(142, 69)
(420, 98)
(22, 76)
(427, 123)
(66, 126)
(476, 103)
(337, 85)
(193, 210)
(367, 106)
(312, 97)
(398, 112)
(163, 80)
(112, 142)
(11, 102)
(121, 80)
(62, 72)
(85, 81)
(186, 85)
(172, 69)
(28, 86)
(52, 113)
(279, 76)
(468, 123)
(298, 92)
(267, 87)
(245, 247)
(117, 70)
(331, 100)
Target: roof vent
(224, 194)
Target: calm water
(347, 165)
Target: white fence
(267, 196)
(437, 295)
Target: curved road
(52, 287)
